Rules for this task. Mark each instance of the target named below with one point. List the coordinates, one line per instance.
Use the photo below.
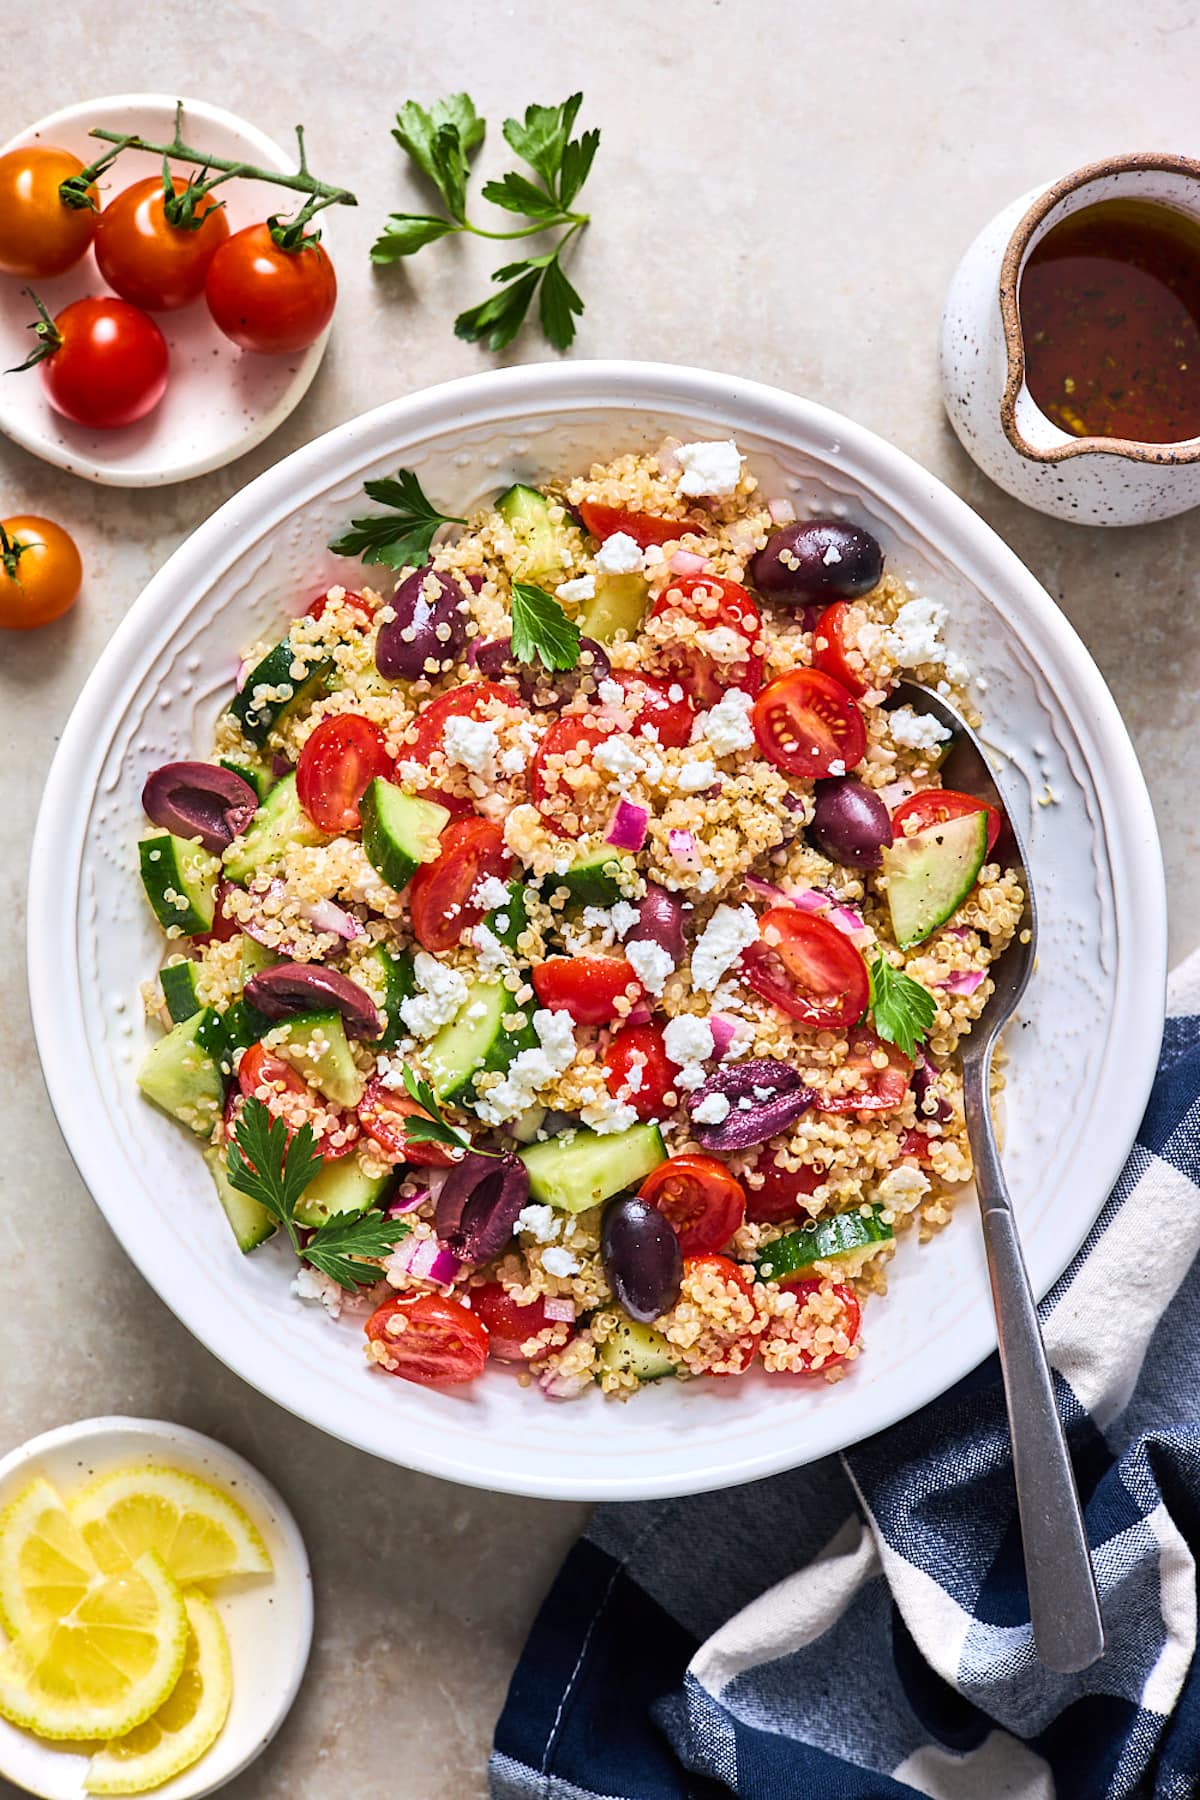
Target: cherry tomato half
(430, 1340)
(605, 521)
(699, 1197)
(468, 701)
(587, 987)
(382, 1113)
(40, 572)
(742, 1349)
(807, 724)
(267, 299)
(148, 260)
(933, 806)
(109, 367)
(881, 1089)
(439, 895)
(316, 608)
(650, 700)
(829, 650)
(223, 926)
(39, 236)
(264, 1076)
(260, 1069)
(568, 795)
(638, 1069)
(782, 1190)
(798, 1329)
(339, 761)
(510, 1326)
(718, 605)
(807, 968)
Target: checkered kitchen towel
(859, 1628)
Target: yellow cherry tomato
(40, 572)
(39, 235)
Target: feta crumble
(618, 757)
(442, 992)
(723, 644)
(696, 775)
(915, 636)
(726, 727)
(582, 588)
(720, 944)
(710, 469)
(619, 555)
(916, 731)
(541, 1223)
(559, 1262)
(624, 917)
(651, 964)
(490, 893)
(712, 1110)
(688, 1039)
(473, 744)
(530, 1070)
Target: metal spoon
(1064, 1607)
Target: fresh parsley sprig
(903, 1010)
(434, 1129)
(401, 538)
(541, 629)
(441, 141)
(264, 1164)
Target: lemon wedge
(103, 1667)
(187, 1722)
(200, 1533)
(46, 1568)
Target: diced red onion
(769, 891)
(327, 916)
(562, 1312)
(406, 1203)
(243, 669)
(724, 1030)
(425, 1259)
(628, 826)
(668, 460)
(782, 511)
(958, 931)
(964, 982)
(682, 846)
(563, 1387)
(896, 793)
(638, 1014)
(687, 562)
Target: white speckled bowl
(1082, 1057)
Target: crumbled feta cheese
(831, 556)
(723, 644)
(837, 766)
(618, 757)
(597, 917)
(606, 1116)
(652, 555)
(560, 1262)
(582, 588)
(624, 917)
(706, 881)
(712, 1110)
(490, 893)
(688, 1039)
(709, 468)
(635, 1074)
(651, 963)
(695, 775)
(763, 1093)
(904, 1184)
(726, 727)
(915, 636)
(513, 761)
(720, 944)
(442, 991)
(916, 731)
(473, 744)
(541, 1223)
(310, 1284)
(530, 1070)
(611, 692)
(619, 555)
(493, 957)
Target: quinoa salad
(570, 936)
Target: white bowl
(1082, 1059)
(269, 1620)
(220, 401)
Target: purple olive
(287, 988)
(660, 921)
(195, 799)
(477, 1206)
(641, 1257)
(930, 1103)
(428, 625)
(765, 1097)
(818, 557)
(850, 823)
(543, 688)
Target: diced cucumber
(592, 878)
(930, 874)
(184, 1073)
(180, 879)
(618, 605)
(255, 957)
(342, 1187)
(540, 542)
(400, 831)
(822, 1240)
(249, 1221)
(392, 978)
(583, 1168)
(475, 1041)
(255, 775)
(638, 1350)
(316, 1046)
(178, 983)
(278, 826)
(526, 1126)
(258, 717)
(509, 921)
(244, 1024)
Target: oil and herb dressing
(1110, 317)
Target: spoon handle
(1064, 1607)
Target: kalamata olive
(430, 622)
(660, 921)
(850, 823)
(764, 1096)
(641, 1257)
(818, 557)
(544, 688)
(930, 1103)
(477, 1206)
(196, 799)
(287, 988)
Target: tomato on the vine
(339, 761)
(40, 236)
(807, 968)
(430, 1340)
(439, 895)
(730, 622)
(40, 572)
(638, 1069)
(149, 260)
(103, 363)
(269, 299)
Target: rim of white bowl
(270, 154)
(1139, 887)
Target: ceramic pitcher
(1095, 480)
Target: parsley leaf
(903, 1010)
(402, 538)
(556, 303)
(541, 139)
(498, 319)
(405, 234)
(341, 1241)
(434, 1129)
(418, 131)
(517, 194)
(541, 629)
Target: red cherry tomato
(109, 367)
(797, 1328)
(356, 602)
(671, 719)
(916, 1143)
(933, 806)
(636, 1055)
(39, 236)
(727, 1271)
(699, 1197)
(264, 1076)
(807, 724)
(566, 796)
(605, 521)
(807, 968)
(438, 1344)
(717, 604)
(510, 1326)
(267, 299)
(148, 260)
(382, 1113)
(587, 987)
(468, 701)
(259, 1068)
(339, 761)
(439, 895)
(881, 1089)
(223, 927)
(781, 1192)
(829, 649)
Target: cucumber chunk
(583, 1168)
(178, 983)
(244, 1024)
(255, 775)
(476, 1040)
(184, 1073)
(507, 922)
(342, 1187)
(540, 542)
(316, 1046)
(400, 831)
(638, 1350)
(592, 878)
(391, 976)
(278, 826)
(249, 1221)
(180, 879)
(259, 716)
(930, 874)
(618, 605)
(254, 956)
(823, 1240)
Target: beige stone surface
(783, 189)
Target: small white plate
(269, 1619)
(220, 401)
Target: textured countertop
(782, 190)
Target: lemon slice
(200, 1533)
(187, 1722)
(105, 1666)
(46, 1568)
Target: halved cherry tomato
(796, 1327)
(718, 604)
(338, 763)
(882, 1089)
(439, 1344)
(467, 701)
(108, 364)
(382, 1113)
(148, 260)
(807, 968)
(439, 896)
(587, 987)
(727, 1270)
(39, 235)
(933, 806)
(509, 1326)
(269, 299)
(671, 719)
(700, 1198)
(356, 602)
(780, 1195)
(223, 927)
(555, 791)
(638, 1069)
(829, 649)
(259, 1068)
(807, 724)
(260, 1073)
(605, 521)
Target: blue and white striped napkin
(859, 1628)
